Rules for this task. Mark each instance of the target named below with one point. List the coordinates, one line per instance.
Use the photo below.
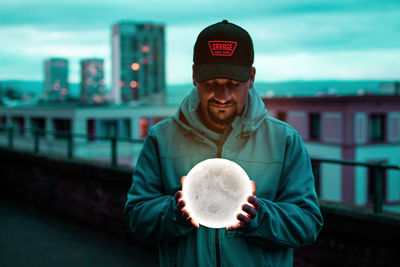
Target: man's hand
(180, 205)
(250, 210)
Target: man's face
(222, 99)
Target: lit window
(133, 84)
(96, 98)
(135, 66)
(121, 84)
(143, 127)
(145, 48)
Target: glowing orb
(214, 191)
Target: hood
(253, 114)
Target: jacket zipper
(217, 248)
(217, 253)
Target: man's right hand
(181, 204)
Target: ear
(193, 79)
(252, 77)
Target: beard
(225, 121)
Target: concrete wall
(95, 195)
(91, 194)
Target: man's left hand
(250, 210)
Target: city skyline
(343, 40)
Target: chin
(226, 119)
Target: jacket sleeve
(293, 219)
(150, 212)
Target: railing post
(70, 147)
(36, 141)
(378, 188)
(113, 151)
(10, 137)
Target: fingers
(183, 179)
(243, 219)
(254, 201)
(178, 196)
(250, 209)
(195, 224)
(235, 226)
(253, 187)
(180, 205)
(251, 212)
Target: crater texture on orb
(214, 191)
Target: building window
(143, 127)
(316, 169)
(39, 126)
(3, 124)
(315, 126)
(62, 128)
(377, 127)
(126, 128)
(109, 128)
(91, 129)
(18, 124)
(280, 115)
(372, 184)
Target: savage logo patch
(222, 48)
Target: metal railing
(377, 168)
(377, 171)
(69, 139)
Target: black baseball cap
(223, 50)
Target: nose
(222, 94)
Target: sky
(293, 40)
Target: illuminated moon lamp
(214, 191)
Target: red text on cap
(222, 48)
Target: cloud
(313, 32)
(343, 65)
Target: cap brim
(204, 72)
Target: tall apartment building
(92, 80)
(56, 79)
(138, 63)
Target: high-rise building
(56, 79)
(138, 63)
(92, 80)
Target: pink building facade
(353, 128)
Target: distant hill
(175, 93)
(34, 87)
(292, 88)
(312, 88)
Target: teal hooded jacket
(273, 155)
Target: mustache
(214, 101)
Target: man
(224, 117)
